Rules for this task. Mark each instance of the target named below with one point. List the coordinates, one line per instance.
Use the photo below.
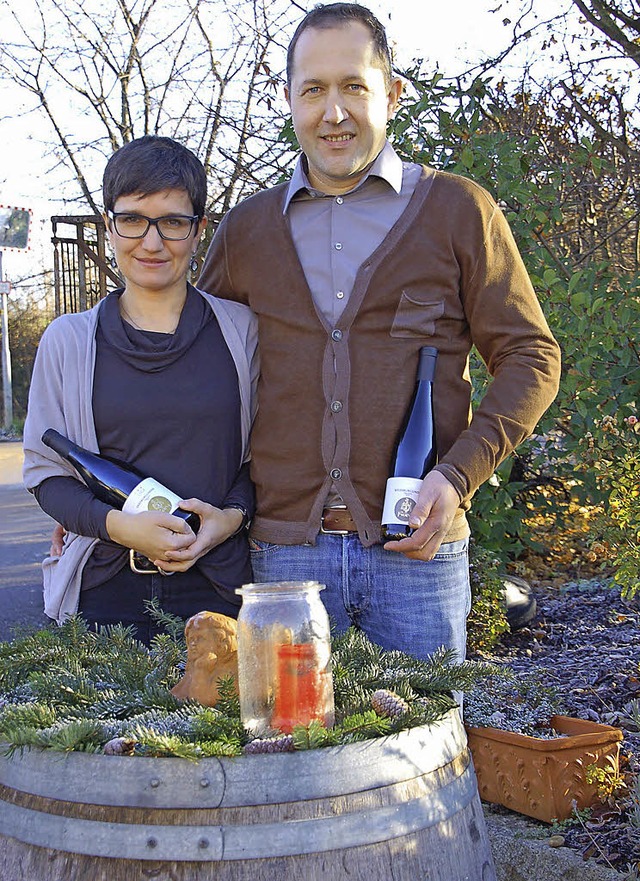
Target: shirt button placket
(336, 336)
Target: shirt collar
(387, 166)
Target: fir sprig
(211, 724)
(150, 742)
(171, 624)
(228, 748)
(69, 688)
(20, 738)
(81, 735)
(31, 715)
(363, 726)
(312, 736)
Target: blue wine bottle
(118, 484)
(414, 454)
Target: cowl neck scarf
(148, 350)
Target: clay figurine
(212, 654)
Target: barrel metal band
(216, 843)
(251, 780)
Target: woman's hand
(152, 533)
(216, 526)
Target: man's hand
(432, 516)
(57, 540)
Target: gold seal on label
(159, 503)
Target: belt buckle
(333, 531)
(135, 563)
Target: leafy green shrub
(563, 195)
(616, 463)
(27, 321)
(488, 618)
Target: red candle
(299, 693)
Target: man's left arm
(511, 334)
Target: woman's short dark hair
(151, 164)
(331, 15)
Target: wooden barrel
(404, 807)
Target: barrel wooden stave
(455, 851)
(428, 825)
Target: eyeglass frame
(153, 221)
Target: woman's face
(153, 263)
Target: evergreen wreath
(68, 688)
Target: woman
(161, 376)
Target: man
(351, 268)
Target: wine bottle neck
(58, 442)
(427, 364)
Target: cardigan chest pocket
(416, 317)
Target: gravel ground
(585, 642)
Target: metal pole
(6, 359)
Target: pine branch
(211, 724)
(82, 735)
(312, 736)
(74, 689)
(32, 715)
(150, 743)
(363, 726)
(173, 625)
(230, 748)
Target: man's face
(340, 103)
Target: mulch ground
(585, 642)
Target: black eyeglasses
(174, 227)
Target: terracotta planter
(542, 778)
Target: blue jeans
(402, 604)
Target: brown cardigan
(447, 275)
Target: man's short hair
(333, 15)
(150, 164)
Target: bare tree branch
(107, 74)
(603, 16)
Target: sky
(416, 28)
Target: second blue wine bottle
(414, 455)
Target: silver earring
(113, 263)
(193, 266)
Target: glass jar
(284, 657)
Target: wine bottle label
(400, 499)
(149, 495)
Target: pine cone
(388, 703)
(282, 744)
(119, 746)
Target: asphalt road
(24, 541)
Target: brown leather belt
(337, 521)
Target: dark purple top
(170, 405)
